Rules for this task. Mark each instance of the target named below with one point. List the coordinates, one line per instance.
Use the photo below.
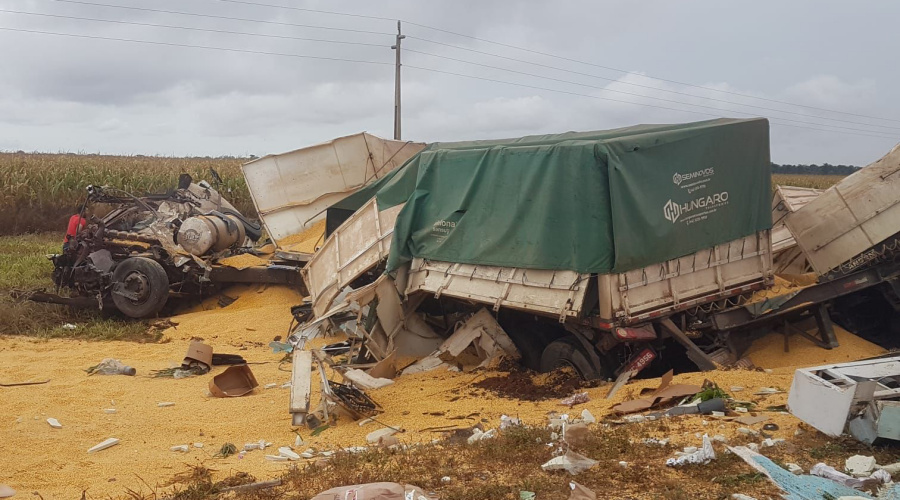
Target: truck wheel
(567, 352)
(140, 287)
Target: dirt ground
(55, 462)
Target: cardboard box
(233, 382)
(198, 352)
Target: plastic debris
(270, 386)
(103, 445)
(527, 495)
(507, 421)
(829, 472)
(6, 491)
(374, 436)
(277, 458)
(298, 441)
(623, 464)
(588, 417)
(69, 326)
(181, 447)
(571, 462)
(655, 442)
(198, 445)
(286, 451)
(365, 381)
(54, 423)
(858, 465)
(740, 496)
(769, 442)
(702, 456)
(111, 366)
(581, 492)
(109, 411)
(445, 480)
(575, 399)
(478, 435)
(794, 468)
(165, 404)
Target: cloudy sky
(822, 71)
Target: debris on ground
(571, 462)
(580, 492)
(6, 491)
(575, 399)
(54, 423)
(860, 397)
(111, 366)
(374, 491)
(858, 482)
(103, 445)
(822, 482)
(234, 382)
(663, 394)
(700, 456)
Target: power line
(463, 61)
(134, 23)
(211, 16)
(304, 56)
(317, 11)
(545, 54)
(621, 101)
(603, 89)
(207, 47)
(557, 68)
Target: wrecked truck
(590, 248)
(135, 252)
(132, 253)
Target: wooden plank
(300, 385)
(694, 353)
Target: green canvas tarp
(592, 202)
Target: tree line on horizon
(824, 169)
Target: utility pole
(396, 48)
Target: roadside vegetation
(501, 468)
(807, 181)
(42, 190)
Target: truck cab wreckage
(145, 249)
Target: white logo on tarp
(678, 178)
(672, 211)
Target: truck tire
(146, 280)
(567, 351)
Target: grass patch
(24, 266)
(499, 469)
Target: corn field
(40, 191)
(807, 181)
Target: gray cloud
(61, 93)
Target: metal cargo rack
(810, 301)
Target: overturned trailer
(589, 247)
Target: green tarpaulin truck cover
(592, 202)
